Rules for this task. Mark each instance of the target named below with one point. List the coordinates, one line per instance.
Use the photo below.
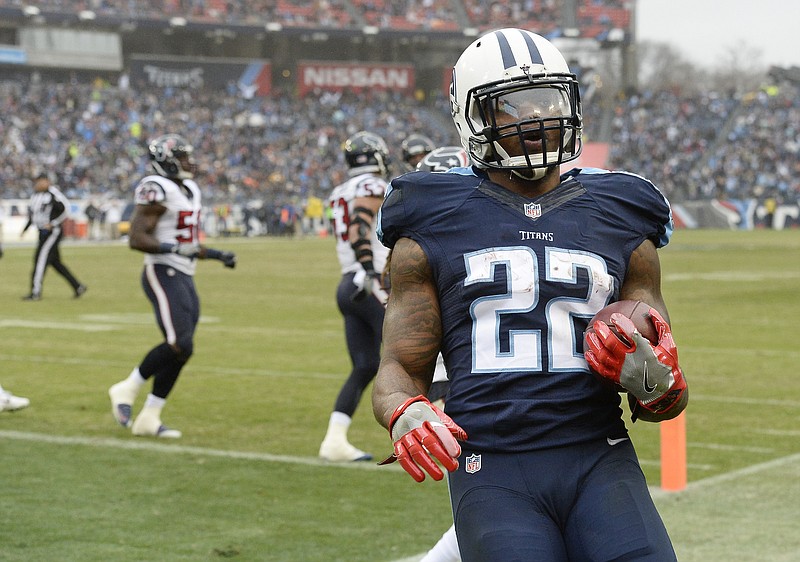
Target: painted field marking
(732, 276)
(126, 366)
(150, 445)
(47, 325)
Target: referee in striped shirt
(47, 212)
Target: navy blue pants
(582, 503)
(363, 329)
(175, 303)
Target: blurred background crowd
(267, 155)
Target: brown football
(638, 312)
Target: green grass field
(244, 482)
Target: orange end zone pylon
(673, 454)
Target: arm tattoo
(413, 329)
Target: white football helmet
(522, 78)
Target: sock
(446, 550)
(338, 425)
(155, 403)
(136, 379)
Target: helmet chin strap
(535, 174)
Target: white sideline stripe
(731, 276)
(748, 401)
(148, 445)
(126, 367)
(778, 432)
(135, 318)
(723, 447)
(694, 466)
(779, 353)
(732, 475)
(40, 325)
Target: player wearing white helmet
(516, 104)
(499, 267)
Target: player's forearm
(145, 242)
(393, 386)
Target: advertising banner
(338, 76)
(250, 77)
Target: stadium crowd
(275, 150)
(271, 152)
(595, 17)
(93, 135)
(713, 145)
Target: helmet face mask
(172, 157)
(515, 104)
(366, 152)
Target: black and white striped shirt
(48, 207)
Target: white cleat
(338, 451)
(149, 426)
(122, 399)
(11, 403)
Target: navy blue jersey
(518, 280)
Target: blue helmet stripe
(505, 51)
(536, 56)
(509, 60)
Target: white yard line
(161, 447)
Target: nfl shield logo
(533, 210)
(473, 464)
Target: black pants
(47, 254)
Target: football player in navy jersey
(500, 266)
(165, 227)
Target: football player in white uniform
(165, 226)
(360, 296)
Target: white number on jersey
(522, 296)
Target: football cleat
(32, 297)
(338, 451)
(122, 399)
(79, 290)
(150, 426)
(11, 403)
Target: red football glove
(650, 373)
(422, 432)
